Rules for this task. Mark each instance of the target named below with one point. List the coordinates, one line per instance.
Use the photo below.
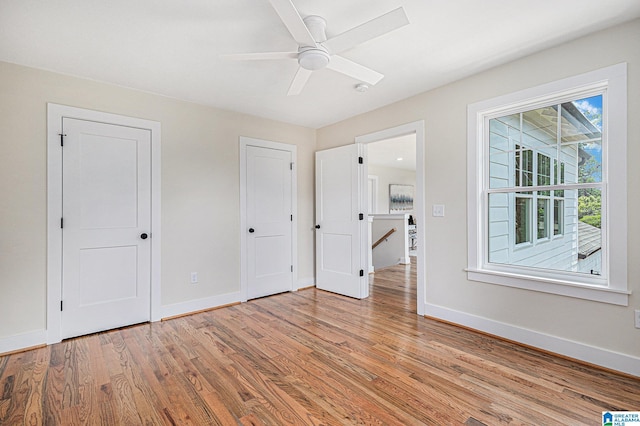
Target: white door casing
(341, 226)
(106, 208)
(372, 191)
(268, 217)
(417, 128)
(98, 266)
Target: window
(543, 218)
(544, 210)
(558, 214)
(523, 220)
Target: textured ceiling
(172, 47)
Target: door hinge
(360, 160)
(291, 218)
(361, 216)
(61, 306)
(290, 166)
(291, 268)
(362, 272)
(62, 135)
(61, 223)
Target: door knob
(317, 226)
(143, 236)
(251, 230)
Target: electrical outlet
(194, 277)
(637, 317)
(438, 210)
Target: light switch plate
(438, 210)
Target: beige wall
(444, 110)
(200, 188)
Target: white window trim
(615, 290)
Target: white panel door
(269, 221)
(106, 223)
(341, 228)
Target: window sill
(551, 286)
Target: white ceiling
(399, 153)
(172, 47)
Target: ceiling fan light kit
(313, 58)
(315, 51)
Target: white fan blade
(259, 56)
(294, 23)
(369, 30)
(299, 81)
(357, 71)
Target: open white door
(341, 225)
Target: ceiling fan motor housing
(316, 25)
(314, 57)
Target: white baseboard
(184, 308)
(37, 338)
(605, 358)
(23, 341)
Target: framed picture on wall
(400, 198)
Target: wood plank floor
(308, 357)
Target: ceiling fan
(315, 51)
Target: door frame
(373, 197)
(244, 142)
(417, 128)
(55, 115)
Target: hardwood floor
(308, 357)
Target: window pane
(581, 119)
(590, 206)
(543, 214)
(523, 170)
(503, 133)
(518, 167)
(511, 121)
(499, 168)
(523, 220)
(540, 127)
(570, 157)
(582, 129)
(520, 229)
(498, 228)
(527, 167)
(544, 172)
(558, 177)
(590, 162)
(589, 230)
(558, 217)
